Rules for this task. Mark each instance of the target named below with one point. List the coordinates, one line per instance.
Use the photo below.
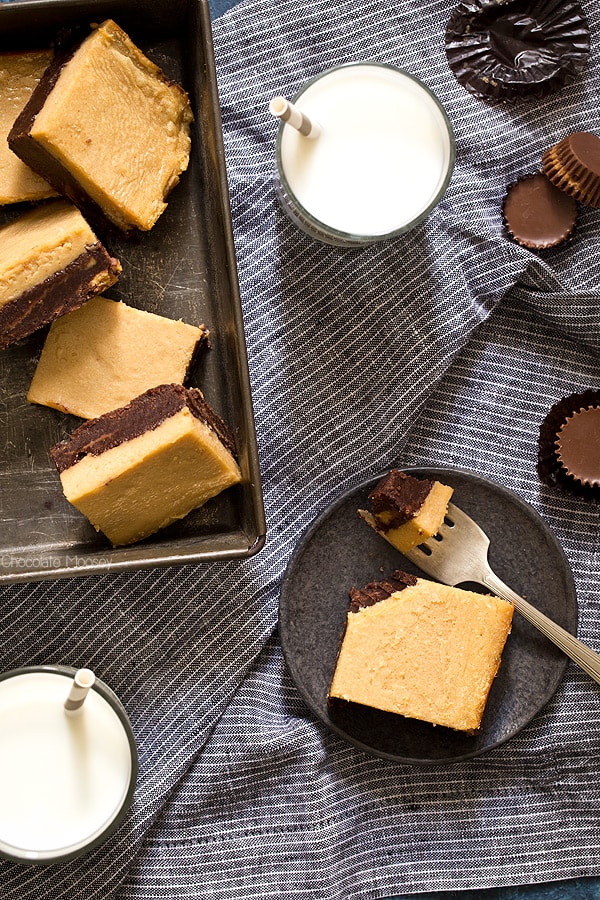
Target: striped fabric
(445, 347)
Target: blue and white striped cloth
(446, 347)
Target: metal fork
(459, 553)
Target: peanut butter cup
(537, 214)
(569, 445)
(578, 446)
(512, 49)
(573, 165)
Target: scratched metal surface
(183, 268)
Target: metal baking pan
(185, 267)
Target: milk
(382, 161)
(64, 779)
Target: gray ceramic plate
(339, 550)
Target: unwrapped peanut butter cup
(569, 445)
(573, 165)
(537, 214)
(513, 49)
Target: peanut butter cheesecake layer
(19, 75)
(107, 129)
(422, 650)
(104, 354)
(407, 511)
(145, 465)
(51, 263)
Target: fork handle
(575, 649)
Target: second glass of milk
(66, 781)
(382, 160)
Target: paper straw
(289, 113)
(82, 682)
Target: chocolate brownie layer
(144, 413)
(51, 263)
(376, 591)
(142, 467)
(92, 271)
(36, 156)
(400, 495)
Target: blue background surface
(578, 889)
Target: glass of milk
(381, 162)
(66, 779)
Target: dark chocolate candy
(573, 165)
(537, 214)
(551, 469)
(578, 446)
